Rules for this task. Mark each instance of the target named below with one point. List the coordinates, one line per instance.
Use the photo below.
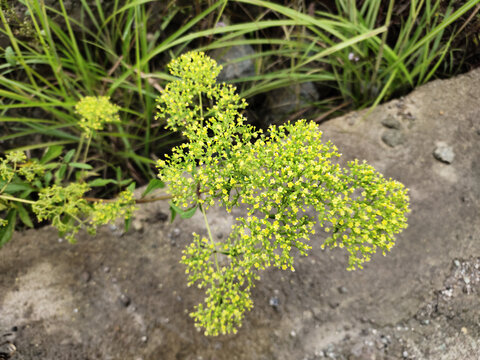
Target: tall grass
(405, 56)
(119, 49)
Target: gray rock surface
(283, 103)
(421, 300)
(392, 137)
(444, 153)
(233, 65)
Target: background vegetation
(54, 53)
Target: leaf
(124, 182)
(80, 166)
(16, 187)
(184, 214)
(173, 214)
(153, 185)
(101, 182)
(51, 153)
(48, 177)
(10, 56)
(60, 173)
(6, 231)
(24, 216)
(132, 186)
(68, 156)
(51, 166)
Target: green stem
(384, 40)
(10, 180)
(77, 154)
(12, 198)
(86, 149)
(211, 238)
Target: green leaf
(51, 153)
(184, 214)
(173, 213)
(51, 166)
(48, 177)
(24, 216)
(125, 182)
(132, 186)
(60, 173)
(69, 155)
(10, 56)
(80, 166)
(6, 231)
(16, 187)
(153, 185)
(101, 182)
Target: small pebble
(175, 233)
(124, 300)
(342, 290)
(106, 269)
(137, 225)
(444, 153)
(457, 263)
(385, 339)
(319, 353)
(393, 137)
(293, 333)
(274, 302)
(391, 123)
(405, 354)
(144, 339)
(333, 304)
(85, 276)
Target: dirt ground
(124, 296)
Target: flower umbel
(287, 179)
(95, 112)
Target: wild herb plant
(286, 180)
(37, 186)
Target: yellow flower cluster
(280, 176)
(95, 112)
(63, 206)
(106, 212)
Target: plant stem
(86, 149)
(137, 201)
(77, 155)
(12, 198)
(211, 238)
(384, 40)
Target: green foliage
(54, 58)
(28, 183)
(63, 207)
(286, 179)
(405, 56)
(25, 188)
